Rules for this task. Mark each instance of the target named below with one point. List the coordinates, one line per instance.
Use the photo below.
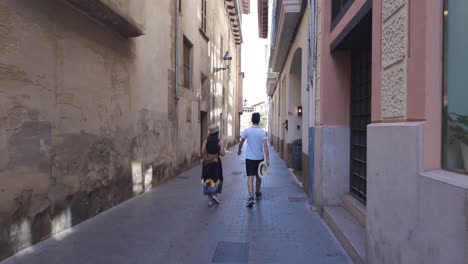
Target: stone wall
(89, 117)
(412, 216)
(394, 58)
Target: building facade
(287, 82)
(388, 123)
(102, 100)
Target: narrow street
(173, 223)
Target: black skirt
(212, 178)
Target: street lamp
(227, 61)
(299, 110)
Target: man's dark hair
(256, 118)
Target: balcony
(262, 18)
(272, 78)
(123, 17)
(235, 10)
(287, 14)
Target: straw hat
(213, 129)
(262, 169)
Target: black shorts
(251, 166)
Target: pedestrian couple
(256, 152)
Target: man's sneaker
(258, 195)
(215, 199)
(210, 202)
(250, 202)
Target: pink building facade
(387, 124)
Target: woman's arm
(203, 148)
(222, 151)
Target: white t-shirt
(254, 136)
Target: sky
(253, 58)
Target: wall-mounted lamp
(227, 62)
(299, 110)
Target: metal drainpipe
(311, 64)
(177, 52)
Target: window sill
(451, 178)
(204, 35)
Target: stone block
(442, 216)
(332, 175)
(393, 165)
(389, 7)
(395, 39)
(394, 92)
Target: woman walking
(212, 169)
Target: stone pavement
(173, 223)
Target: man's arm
(267, 154)
(239, 152)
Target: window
(205, 89)
(187, 57)
(455, 117)
(203, 16)
(180, 6)
(339, 7)
(189, 114)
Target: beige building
(388, 121)
(102, 100)
(287, 80)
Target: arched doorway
(294, 103)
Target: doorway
(360, 96)
(203, 127)
(358, 44)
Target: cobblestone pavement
(173, 223)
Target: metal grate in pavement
(231, 252)
(236, 173)
(296, 199)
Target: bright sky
(253, 58)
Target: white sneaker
(250, 202)
(215, 199)
(210, 203)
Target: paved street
(174, 224)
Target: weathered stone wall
(65, 131)
(88, 118)
(394, 58)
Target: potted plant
(459, 127)
(297, 154)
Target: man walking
(257, 151)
